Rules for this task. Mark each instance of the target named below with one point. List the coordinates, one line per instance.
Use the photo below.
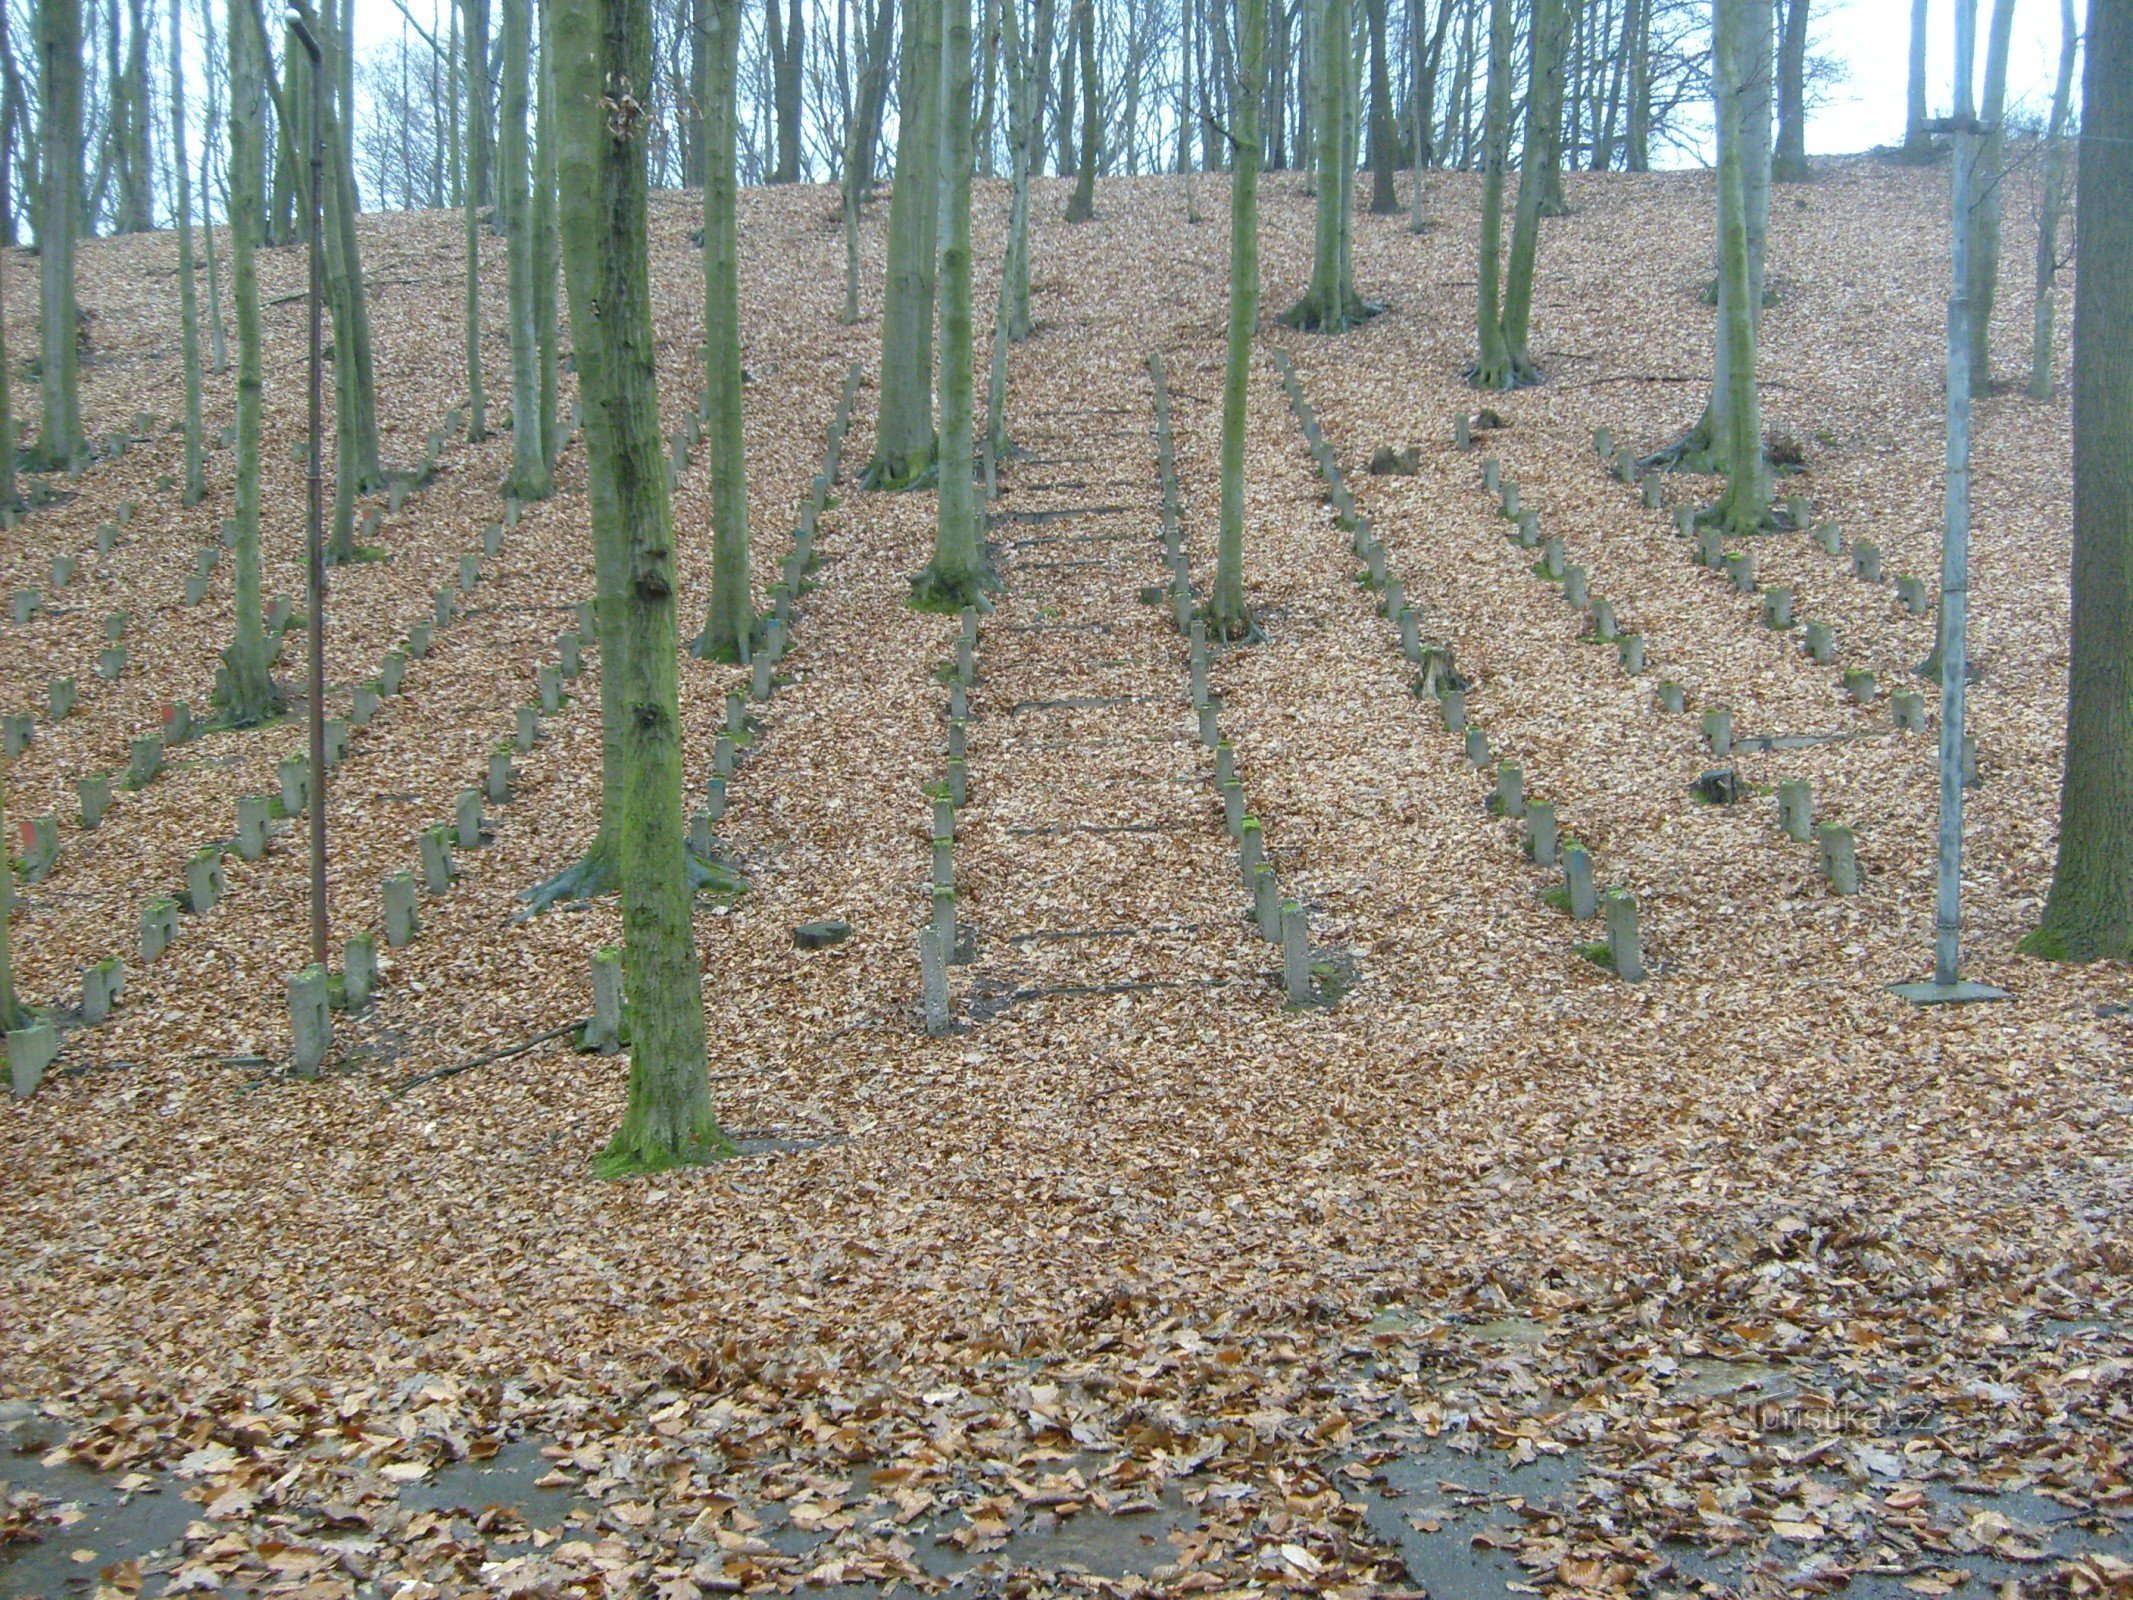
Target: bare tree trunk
(195, 489)
(2050, 207)
(1544, 109)
(2089, 914)
(1917, 143)
(475, 50)
(1789, 165)
(59, 439)
(1082, 207)
(956, 574)
(1744, 505)
(1384, 140)
(730, 623)
(1990, 179)
(529, 478)
(1228, 613)
(247, 693)
(1331, 303)
(1492, 354)
(904, 439)
(601, 171)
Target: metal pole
(1953, 652)
(314, 547)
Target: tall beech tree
(1228, 614)
(1988, 181)
(246, 692)
(904, 442)
(474, 45)
(2051, 205)
(1741, 31)
(2089, 913)
(954, 577)
(195, 489)
(1538, 162)
(1082, 206)
(731, 618)
(603, 70)
(1492, 367)
(59, 54)
(1331, 304)
(1789, 163)
(530, 479)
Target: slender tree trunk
(13, 1013)
(1544, 109)
(956, 574)
(547, 262)
(529, 478)
(218, 352)
(1637, 127)
(1021, 135)
(10, 490)
(2050, 207)
(2089, 914)
(788, 41)
(601, 171)
(1227, 610)
(1492, 355)
(904, 442)
(1789, 165)
(1384, 138)
(247, 691)
(475, 45)
(195, 489)
(1917, 143)
(729, 624)
(59, 440)
(1744, 504)
(982, 139)
(1331, 303)
(1063, 127)
(1990, 180)
(1082, 207)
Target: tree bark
(529, 478)
(248, 691)
(1331, 303)
(195, 488)
(59, 440)
(1917, 143)
(1228, 613)
(1082, 207)
(1384, 136)
(956, 574)
(1989, 180)
(2050, 206)
(904, 439)
(1789, 165)
(2089, 913)
(603, 64)
(1743, 506)
(475, 44)
(788, 44)
(1492, 354)
(730, 622)
(1538, 158)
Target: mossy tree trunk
(1228, 614)
(1739, 424)
(1331, 303)
(603, 57)
(59, 48)
(13, 1013)
(530, 478)
(787, 39)
(249, 693)
(2089, 913)
(546, 262)
(954, 577)
(1540, 156)
(729, 624)
(2051, 205)
(1492, 354)
(10, 488)
(195, 487)
(1021, 135)
(860, 133)
(904, 440)
(1082, 206)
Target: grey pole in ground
(1946, 987)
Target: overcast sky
(1873, 40)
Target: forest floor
(1497, 1272)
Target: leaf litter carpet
(1745, 1279)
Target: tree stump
(1796, 810)
(1859, 684)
